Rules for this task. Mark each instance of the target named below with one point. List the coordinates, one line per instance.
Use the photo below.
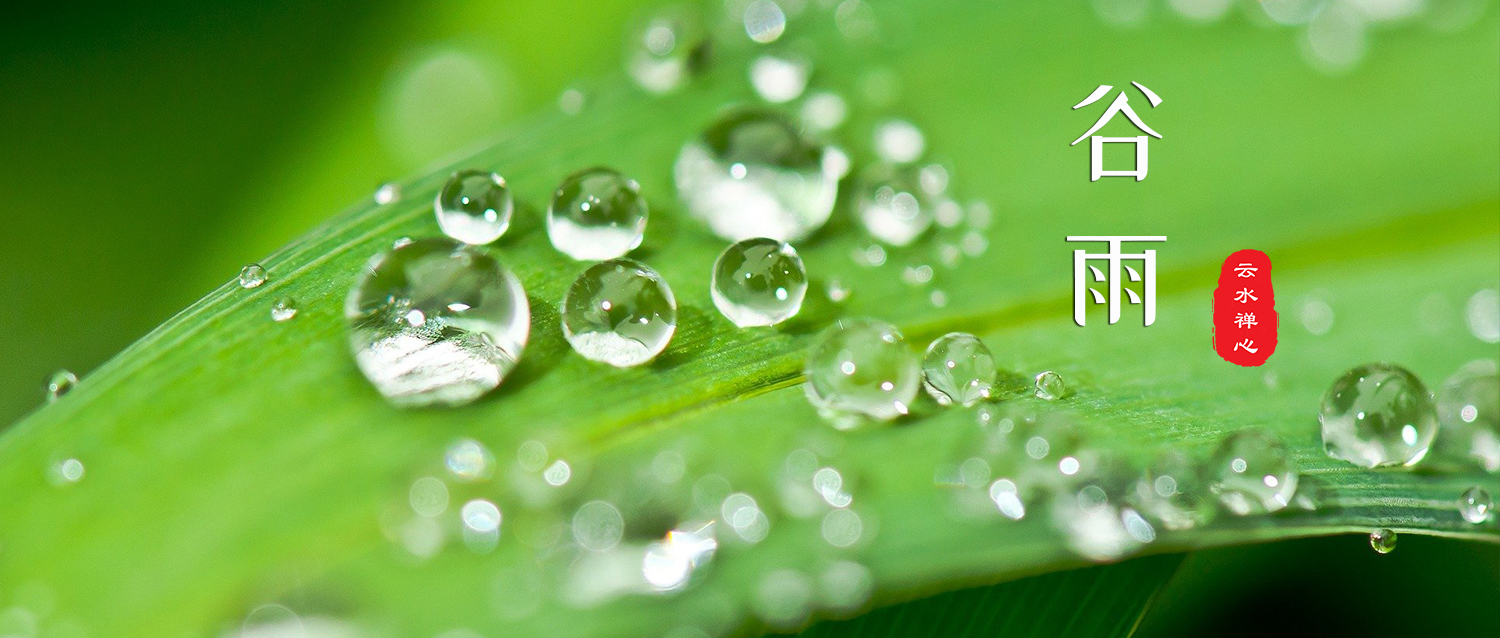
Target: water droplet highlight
(388, 193)
(758, 282)
(861, 368)
(595, 214)
(1483, 315)
(619, 312)
(899, 141)
(436, 323)
(252, 276)
(778, 78)
(474, 207)
(1251, 473)
(468, 460)
(764, 21)
(1378, 415)
(958, 368)
(60, 383)
(752, 174)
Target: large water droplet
(1376, 415)
(252, 276)
(862, 368)
(1252, 473)
(597, 213)
(1383, 541)
(667, 49)
(958, 369)
(474, 207)
(1171, 491)
(60, 383)
(1049, 386)
(619, 312)
(758, 282)
(751, 174)
(1468, 409)
(1475, 505)
(436, 323)
(892, 206)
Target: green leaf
(232, 461)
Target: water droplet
(1377, 415)
(751, 174)
(285, 309)
(388, 193)
(667, 49)
(764, 21)
(480, 516)
(828, 483)
(938, 299)
(66, 471)
(558, 473)
(428, 497)
(974, 243)
(783, 599)
(1171, 491)
(253, 276)
(532, 456)
(436, 323)
(899, 141)
(1383, 541)
(595, 214)
(468, 460)
(838, 291)
(668, 467)
(1252, 473)
(845, 586)
(958, 369)
(824, 111)
(1007, 496)
(758, 282)
(917, 274)
(1483, 313)
(744, 516)
(60, 383)
(1316, 315)
(1468, 409)
(571, 101)
(855, 19)
(474, 207)
(892, 206)
(401, 242)
(1475, 505)
(836, 162)
(598, 526)
(619, 312)
(1050, 386)
(669, 564)
(779, 78)
(842, 527)
(861, 368)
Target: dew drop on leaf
(619, 312)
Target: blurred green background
(151, 149)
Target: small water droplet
(667, 49)
(745, 517)
(388, 193)
(1475, 505)
(1468, 410)
(861, 368)
(252, 276)
(474, 207)
(974, 244)
(958, 368)
(436, 323)
(1383, 541)
(571, 101)
(838, 291)
(60, 383)
(428, 497)
(1316, 315)
(619, 312)
(783, 598)
(824, 111)
(1049, 386)
(532, 456)
(668, 467)
(752, 174)
(758, 282)
(66, 471)
(938, 299)
(598, 526)
(1251, 473)
(1336, 39)
(468, 460)
(845, 586)
(779, 78)
(842, 527)
(872, 256)
(1483, 314)
(480, 516)
(898, 141)
(285, 309)
(401, 242)
(558, 473)
(892, 206)
(917, 274)
(597, 213)
(1377, 415)
(764, 21)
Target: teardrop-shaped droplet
(436, 322)
(752, 174)
(758, 282)
(1377, 415)
(597, 213)
(1383, 541)
(619, 312)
